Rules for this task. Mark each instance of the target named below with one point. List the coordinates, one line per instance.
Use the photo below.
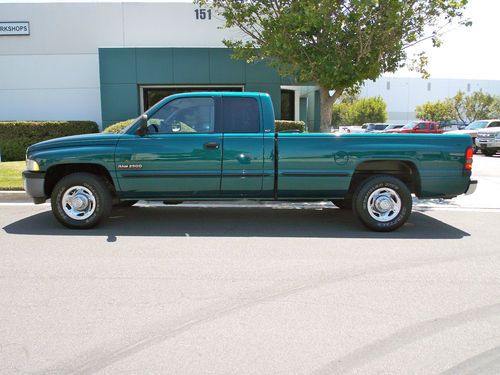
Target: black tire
(124, 204)
(391, 192)
(488, 152)
(343, 204)
(93, 189)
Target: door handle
(211, 145)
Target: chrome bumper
(472, 187)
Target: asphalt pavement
(254, 289)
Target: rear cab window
(240, 115)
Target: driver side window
(184, 115)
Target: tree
(360, 111)
(478, 105)
(495, 108)
(335, 43)
(436, 111)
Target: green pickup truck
(223, 146)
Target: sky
(467, 52)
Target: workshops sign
(14, 28)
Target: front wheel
(488, 152)
(81, 200)
(382, 203)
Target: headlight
(497, 136)
(32, 165)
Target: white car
(488, 140)
(474, 127)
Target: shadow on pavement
(235, 222)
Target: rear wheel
(81, 200)
(382, 203)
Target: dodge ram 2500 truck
(223, 146)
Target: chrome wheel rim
(384, 204)
(78, 202)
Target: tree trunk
(326, 103)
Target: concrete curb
(14, 196)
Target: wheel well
(404, 170)
(56, 172)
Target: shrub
(118, 127)
(360, 111)
(283, 125)
(16, 136)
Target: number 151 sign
(203, 14)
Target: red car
(419, 127)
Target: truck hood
(489, 130)
(102, 139)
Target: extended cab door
(180, 155)
(243, 150)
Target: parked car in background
(418, 127)
(488, 140)
(377, 127)
(474, 127)
(393, 127)
(452, 125)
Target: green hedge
(118, 127)
(283, 126)
(16, 136)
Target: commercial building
(109, 61)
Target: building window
(428, 86)
(388, 85)
(152, 95)
(288, 105)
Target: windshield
(476, 125)
(410, 125)
(126, 128)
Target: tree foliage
(335, 43)
(467, 108)
(360, 111)
(476, 106)
(436, 111)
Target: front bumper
(472, 187)
(34, 186)
(488, 143)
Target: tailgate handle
(211, 145)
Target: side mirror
(143, 125)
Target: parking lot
(254, 289)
